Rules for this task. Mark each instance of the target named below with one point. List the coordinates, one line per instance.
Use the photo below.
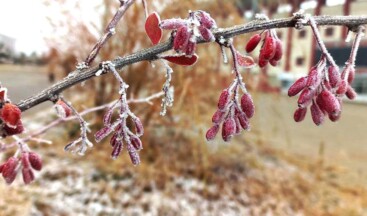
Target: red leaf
(182, 59)
(245, 61)
(152, 28)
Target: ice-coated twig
(145, 8)
(319, 41)
(224, 54)
(83, 139)
(30, 136)
(109, 31)
(356, 43)
(167, 100)
(349, 65)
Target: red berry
(297, 86)
(212, 132)
(9, 172)
(206, 20)
(278, 51)
(269, 47)
(28, 175)
(330, 102)
(206, 34)
(317, 114)
(172, 24)
(11, 114)
(305, 97)
(117, 148)
(299, 114)
(351, 94)
(243, 121)
(136, 142)
(351, 75)
(218, 116)
(343, 87)
(181, 39)
(247, 105)
(262, 61)
(62, 109)
(253, 43)
(228, 129)
(12, 131)
(314, 79)
(190, 48)
(35, 161)
(139, 129)
(334, 76)
(224, 99)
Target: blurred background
(278, 168)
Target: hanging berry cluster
(271, 50)
(325, 86)
(233, 117)
(27, 162)
(121, 132)
(11, 124)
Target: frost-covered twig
(83, 139)
(152, 53)
(167, 100)
(32, 135)
(109, 31)
(319, 41)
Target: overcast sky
(25, 20)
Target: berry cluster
(27, 162)
(323, 89)
(121, 132)
(10, 116)
(271, 50)
(197, 26)
(232, 114)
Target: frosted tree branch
(152, 53)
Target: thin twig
(319, 41)
(58, 121)
(109, 31)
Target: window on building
(329, 32)
(302, 34)
(300, 61)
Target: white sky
(25, 20)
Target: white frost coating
(222, 40)
(112, 31)
(99, 72)
(259, 16)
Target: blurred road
(343, 143)
(23, 81)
